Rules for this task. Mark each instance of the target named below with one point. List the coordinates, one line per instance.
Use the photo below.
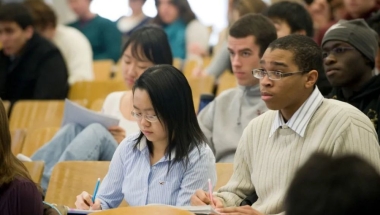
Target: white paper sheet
(77, 211)
(77, 114)
(206, 209)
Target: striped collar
(300, 119)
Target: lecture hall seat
(35, 139)
(35, 169)
(32, 114)
(70, 178)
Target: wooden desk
(144, 210)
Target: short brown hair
(255, 25)
(249, 6)
(43, 15)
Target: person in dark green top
(102, 33)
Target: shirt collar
(301, 118)
(143, 145)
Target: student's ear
(301, 32)
(311, 78)
(29, 31)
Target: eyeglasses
(272, 75)
(149, 118)
(336, 51)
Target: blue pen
(96, 190)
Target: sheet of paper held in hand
(77, 114)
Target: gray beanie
(357, 33)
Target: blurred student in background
(355, 9)
(74, 46)
(19, 195)
(221, 60)
(188, 38)
(128, 24)
(169, 159)
(31, 67)
(320, 12)
(104, 37)
(146, 47)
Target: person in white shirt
(73, 45)
(146, 47)
(300, 122)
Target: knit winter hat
(357, 33)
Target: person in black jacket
(31, 67)
(349, 52)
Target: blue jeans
(73, 142)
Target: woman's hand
(201, 197)
(117, 132)
(84, 202)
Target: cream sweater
(267, 165)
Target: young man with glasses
(224, 119)
(300, 122)
(349, 53)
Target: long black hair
(172, 100)
(153, 42)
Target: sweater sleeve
(52, 81)
(360, 139)
(26, 199)
(206, 122)
(220, 62)
(240, 185)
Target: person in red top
(19, 195)
(355, 9)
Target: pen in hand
(96, 190)
(210, 192)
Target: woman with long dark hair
(169, 159)
(146, 47)
(19, 195)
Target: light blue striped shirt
(130, 176)
(301, 118)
